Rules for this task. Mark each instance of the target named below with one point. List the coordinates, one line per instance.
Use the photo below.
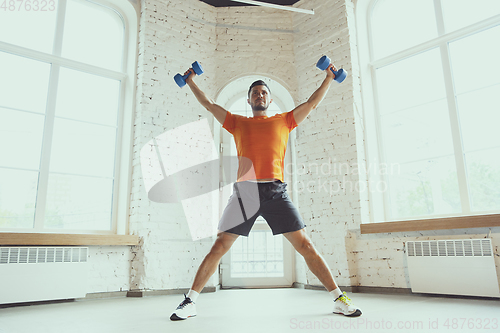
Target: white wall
(255, 41)
(172, 35)
(328, 137)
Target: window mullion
(453, 113)
(61, 15)
(48, 131)
(454, 35)
(438, 10)
(121, 182)
(383, 198)
(46, 148)
(382, 178)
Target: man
(261, 143)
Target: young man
(261, 143)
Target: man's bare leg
(207, 268)
(314, 260)
(319, 267)
(209, 265)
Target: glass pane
(23, 83)
(242, 108)
(29, 24)
(475, 62)
(17, 198)
(417, 133)
(93, 34)
(21, 136)
(272, 109)
(461, 13)
(78, 203)
(424, 188)
(258, 255)
(479, 113)
(87, 97)
(399, 24)
(83, 149)
(483, 170)
(414, 81)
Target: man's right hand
(191, 76)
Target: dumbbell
(181, 79)
(323, 64)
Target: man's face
(259, 98)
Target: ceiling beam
(265, 4)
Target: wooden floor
(257, 310)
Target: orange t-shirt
(261, 144)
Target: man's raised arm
(302, 111)
(218, 111)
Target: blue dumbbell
(181, 79)
(323, 64)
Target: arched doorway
(261, 260)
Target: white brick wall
(173, 34)
(109, 268)
(229, 44)
(328, 133)
(255, 41)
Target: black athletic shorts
(251, 200)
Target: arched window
(260, 259)
(234, 97)
(64, 114)
(431, 82)
(242, 107)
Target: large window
(435, 78)
(62, 73)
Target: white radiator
(455, 267)
(30, 274)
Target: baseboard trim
(113, 294)
(358, 289)
(57, 301)
(390, 291)
(103, 295)
(377, 290)
(164, 292)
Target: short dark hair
(258, 83)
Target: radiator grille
(450, 248)
(36, 255)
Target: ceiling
(229, 3)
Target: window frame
(124, 143)
(370, 118)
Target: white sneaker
(185, 310)
(343, 305)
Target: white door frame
(288, 252)
(260, 282)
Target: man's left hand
(329, 72)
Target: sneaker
(343, 305)
(185, 310)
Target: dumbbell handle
(181, 79)
(323, 64)
(184, 77)
(336, 72)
